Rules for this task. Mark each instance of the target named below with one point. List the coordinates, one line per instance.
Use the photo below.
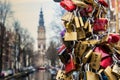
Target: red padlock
(63, 55)
(102, 51)
(100, 24)
(61, 48)
(68, 5)
(113, 38)
(70, 66)
(108, 61)
(103, 2)
(89, 9)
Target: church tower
(41, 34)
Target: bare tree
(51, 53)
(23, 43)
(5, 11)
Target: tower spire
(41, 19)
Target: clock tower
(41, 34)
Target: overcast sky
(27, 13)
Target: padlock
(62, 76)
(63, 55)
(116, 69)
(108, 61)
(80, 3)
(89, 9)
(69, 45)
(80, 19)
(101, 50)
(70, 66)
(71, 36)
(100, 24)
(67, 25)
(83, 14)
(87, 55)
(77, 45)
(113, 38)
(108, 48)
(76, 19)
(82, 49)
(91, 15)
(68, 5)
(95, 60)
(109, 74)
(68, 16)
(116, 66)
(81, 34)
(103, 2)
(102, 75)
(89, 74)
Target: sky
(27, 13)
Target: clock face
(41, 35)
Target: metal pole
(117, 16)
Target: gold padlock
(109, 74)
(81, 20)
(82, 49)
(89, 74)
(71, 35)
(87, 55)
(62, 76)
(95, 60)
(77, 23)
(67, 25)
(80, 33)
(80, 3)
(76, 19)
(116, 70)
(68, 16)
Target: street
(37, 75)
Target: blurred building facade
(112, 14)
